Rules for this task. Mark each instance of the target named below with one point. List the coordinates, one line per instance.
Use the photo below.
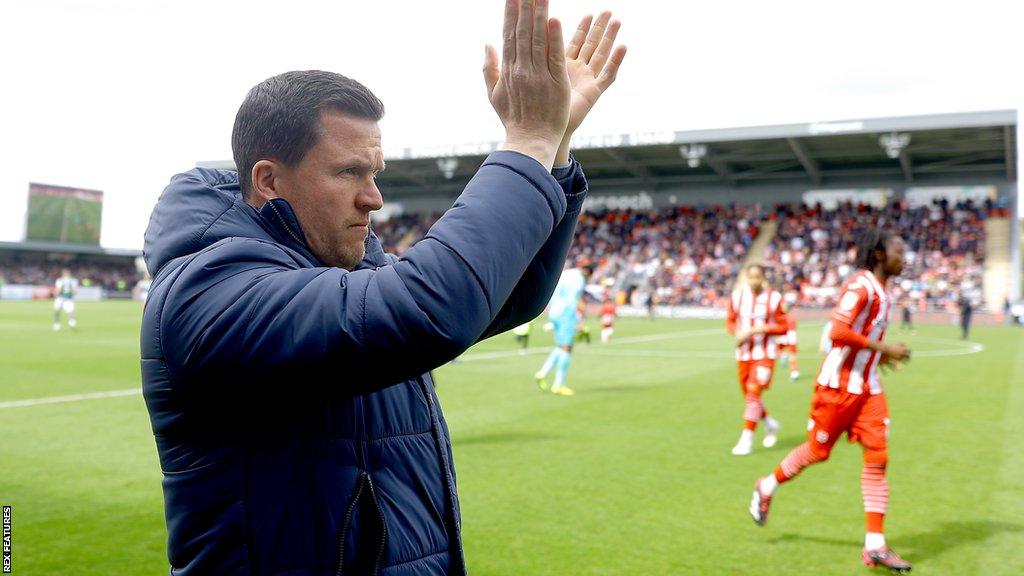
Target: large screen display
(63, 214)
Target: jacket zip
(344, 526)
(435, 424)
(284, 223)
(383, 526)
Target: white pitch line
(656, 354)
(69, 398)
(965, 349)
(465, 358)
(626, 340)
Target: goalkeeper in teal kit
(562, 311)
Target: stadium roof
(932, 148)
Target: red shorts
(755, 375)
(788, 348)
(864, 418)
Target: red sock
(875, 521)
(799, 458)
(875, 490)
(753, 413)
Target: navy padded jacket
(294, 416)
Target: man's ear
(265, 178)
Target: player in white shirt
(141, 290)
(64, 291)
(562, 313)
(522, 334)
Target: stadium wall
(1016, 287)
(694, 195)
(788, 193)
(37, 292)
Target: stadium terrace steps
(756, 252)
(997, 262)
(407, 241)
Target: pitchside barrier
(801, 314)
(33, 292)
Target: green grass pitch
(631, 476)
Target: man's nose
(370, 198)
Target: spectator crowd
(675, 256)
(691, 256)
(109, 277)
(813, 250)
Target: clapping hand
(530, 87)
(592, 65)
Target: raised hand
(592, 66)
(530, 88)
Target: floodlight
(693, 154)
(894, 143)
(447, 166)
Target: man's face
(333, 190)
(755, 278)
(894, 251)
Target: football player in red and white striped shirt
(756, 318)
(848, 396)
(788, 344)
(608, 312)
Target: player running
(848, 396)
(562, 311)
(755, 317)
(608, 313)
(522, 334)
(65, 289)
(582, 330)
(908, 317)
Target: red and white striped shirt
(748, 311)
(863, 307)
(608, 315)
(790, 338)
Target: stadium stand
(110, 277)
(398, 233)
(112, 273)
(690, 256)
(812, 251)
(677, 256)
(684, 253)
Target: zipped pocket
(364, 490)
(383, 526)
(339, 571)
